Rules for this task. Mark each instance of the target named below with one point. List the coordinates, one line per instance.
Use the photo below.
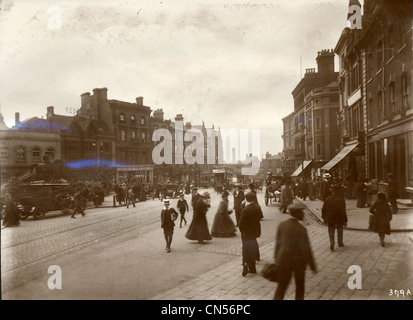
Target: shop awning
(339, 156)
(301, 167)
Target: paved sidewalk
(358, 218)
(383, 269)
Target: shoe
(73, 217)
(332, 247)
(341, 245)
(168, 250)
(244, 270)
(201, 242)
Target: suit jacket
(334, 210)
(238, 200)
(249, 222)
(168, 216)
(292, 249)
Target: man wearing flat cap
(168, 216)
(292, 253)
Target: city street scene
(266, 152)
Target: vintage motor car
(36, 199)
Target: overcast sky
(231, 63)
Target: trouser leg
(299, 278)
(283, 281)
(340, 236)
(331, 231)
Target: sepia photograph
(221, 152)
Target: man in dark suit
(238, 198)
(292, 253)
(334, 215)
(250, 227)
(168, 216)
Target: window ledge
(378, 71)
(390, 60)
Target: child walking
(182, 206)
(168, 216)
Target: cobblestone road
(28, 249)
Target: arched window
(142, 121)
(122, 117)
(133, 134)
(132, 118)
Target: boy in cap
(182, 206)
(168, 216)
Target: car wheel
(23, 215)
(39, 213)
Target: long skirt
(223, 226)
(198, 229)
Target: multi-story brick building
(129, 126)
(376, 109)
(310, 131)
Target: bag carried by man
(270, 272)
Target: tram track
(24, 253)
(65, 228)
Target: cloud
(230, 64)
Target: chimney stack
(85, 100)
(158, 114)
(17, 118)
(325, 66)
(50, 112)
(179, 117)
(139, 101)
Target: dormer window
(122, 117)
(132, 118)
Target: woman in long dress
(382, 216)
(198, 229)
(223, 225)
